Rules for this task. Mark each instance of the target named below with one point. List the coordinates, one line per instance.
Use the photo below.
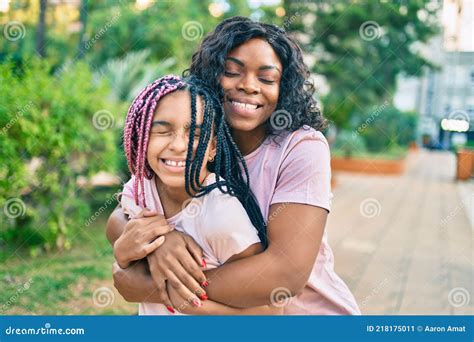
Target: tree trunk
(83, 20)
(41, 31)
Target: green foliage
(362, 47)
(386, 129)
(128, 75)
(49, 140)
(348, 143)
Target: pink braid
(137, 130)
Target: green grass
(61, 283)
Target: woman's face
(251, 84)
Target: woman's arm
(210, 307)
(294, 234)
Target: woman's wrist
(122, 261)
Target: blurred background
(394, 78)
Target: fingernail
(203, 296)
(197, 302)
(170, 309)
(204, 284)
(204, 263)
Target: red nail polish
(196, 303)
(170, 309)
(204, 263)
(204, 284)
(204, 297)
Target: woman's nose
(249, 84)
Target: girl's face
(251, 84)
(169, 138)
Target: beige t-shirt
(217, 222)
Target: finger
(193, 276)
(154, 232)
(195, 250)
(146, 213)
(191, 283)
(183, 292)
(160, 283)
(152, 246)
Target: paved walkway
(404, 244)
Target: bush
(53, 129)
(386, 128)
(348, 143)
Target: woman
(263, 82)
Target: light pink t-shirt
(217, 222)
(295, 168)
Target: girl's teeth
(244, 105)
(175, 163)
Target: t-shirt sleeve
(229, 230)
(305, 173)
(127, 200)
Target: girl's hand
(141, 236)
(178, 263)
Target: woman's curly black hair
(296, 88)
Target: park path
(403, 244)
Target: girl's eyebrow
(263, 67)
(188, 126)
(163, 123)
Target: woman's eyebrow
(263, 67)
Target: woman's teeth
(174, 163)
(247, 106)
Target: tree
(361, 47)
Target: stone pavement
(403, 244)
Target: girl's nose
(179, 143)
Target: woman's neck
(249, 141)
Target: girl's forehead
(175, 108)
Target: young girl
(174, 136)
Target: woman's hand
(178, 262)
(141, 236)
